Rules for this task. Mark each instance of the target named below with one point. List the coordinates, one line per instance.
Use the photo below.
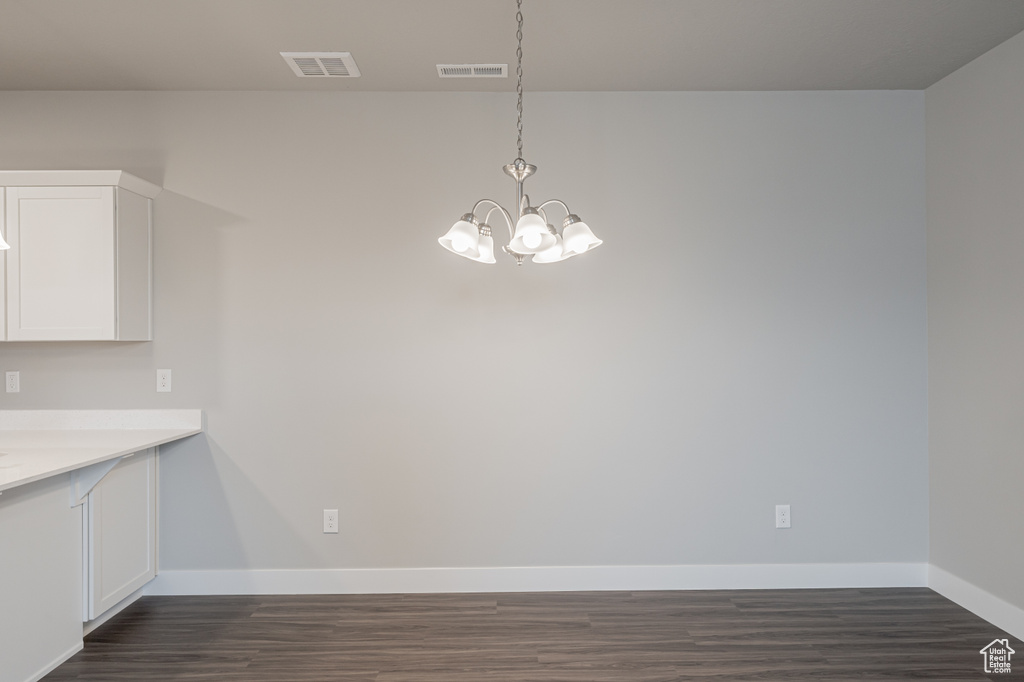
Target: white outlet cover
(163, 381)
(782, 516)
(330, 520)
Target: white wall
(752, 332)
(975, 133)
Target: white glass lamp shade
(464, 238)
(555, 254)
(532, 235)
(486, 248)
(577, 237)
(3, 244)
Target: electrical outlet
(13, 382)
(163, 381)
(330, 520)
(782, 519)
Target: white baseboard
(117, 608)
(56, 663)
(538, 579)
(984, 604)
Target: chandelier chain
(519, 75)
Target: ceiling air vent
(322, 64)
(472, 70)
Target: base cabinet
(40, 578)
(119, 552)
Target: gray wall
(752, 332)
(975, 134)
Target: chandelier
(532, 234)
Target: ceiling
(587, 45)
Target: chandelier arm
(508, 219)
(483, 201)
(555, 201)
(499, 207)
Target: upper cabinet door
(3, 268)
(62, 267)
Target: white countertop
(36, 444)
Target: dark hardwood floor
(854, 634)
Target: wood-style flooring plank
(791, 635)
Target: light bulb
(531, 240)
(532, 234)
(460, 243)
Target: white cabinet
(40, 578)
(3, 269)
(79, 266)
(119, 548)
